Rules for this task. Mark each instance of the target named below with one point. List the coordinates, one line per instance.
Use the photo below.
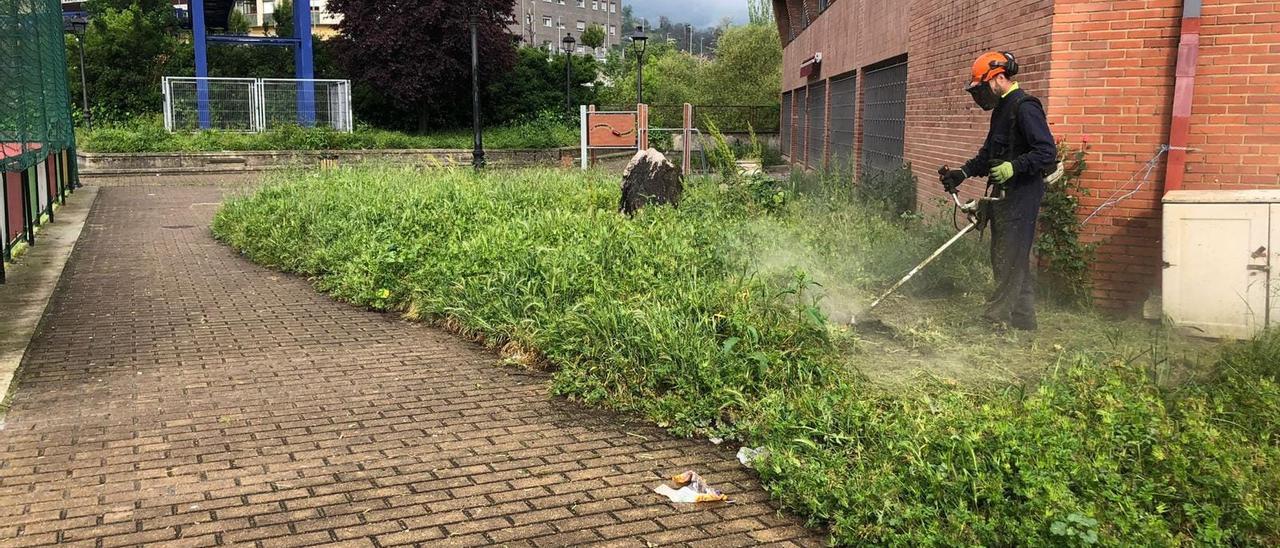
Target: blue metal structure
(203, 11)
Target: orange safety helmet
(991, 63)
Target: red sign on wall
(612, 130)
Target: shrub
(1064, 259)
(892, 191)
(686, 317)
(720, 155)
(147, 134)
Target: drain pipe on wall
(1184, 88)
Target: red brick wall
(944, 127)
(1235, 112)
(1113, 76)
(1132, 54)
(851, 34)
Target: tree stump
(649, 180)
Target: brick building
(874, 83)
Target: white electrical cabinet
(1219, 250)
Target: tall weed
(147, 134)
(695, 318)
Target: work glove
(951, 178)
(1001, 172)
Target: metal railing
(255, 104)
(728, 118)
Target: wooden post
(591, 155)
(643, 122)
(687, 146)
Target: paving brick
(187, 542)
(509, 534)
(585, 536)
(32, 540)
(411, 536)
(257, 533)
(144, 537)
(546, 514)
(671, 536)
(306, 539)
(178, 395)
(367, 530)
(353, 543)
(630, 529)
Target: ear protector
(1010, 65)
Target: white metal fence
(256, 104)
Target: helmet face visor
(983, 95)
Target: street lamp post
(77, 28)
(477, 152)
(568, 42)
(638, 41)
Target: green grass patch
(712, 319)
(148, 135)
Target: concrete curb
(31, 282)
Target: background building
(874, 84)
(259, 12)
(537, 22)
(544, 22)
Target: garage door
(844, 106)
(784, 128)
(884, 114)
(817, 114)
(798, 129)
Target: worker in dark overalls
(1018, 153)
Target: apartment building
(259, 12)
(537, 22)
(544, 23)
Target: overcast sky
(701, 13)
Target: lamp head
(639, 40)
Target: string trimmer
(976, 214)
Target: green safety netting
(35, 115)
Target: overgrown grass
(693, 318)
(148, 135)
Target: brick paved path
(179, 393)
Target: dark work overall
(1023, 138)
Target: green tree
(760, 12)
(283, 18)
(99, 7)
(747, 69)
(412, 58)
(129, 47)
(238, 23)
(593, 37)
(629, 20)
(536, 84)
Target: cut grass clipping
(682, 315)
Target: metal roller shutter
(884, 114)
(817, 117)
(800, 98)
(784, 127)
(844, 107)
